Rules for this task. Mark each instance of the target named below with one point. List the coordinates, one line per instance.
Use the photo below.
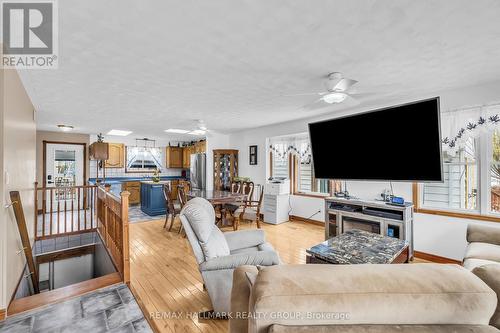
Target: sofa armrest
(490, 274)
(240, 298)
(483, 234)
(258, 258)
(243, 239)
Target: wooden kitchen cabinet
(186, 156)
(134, 187)
(116, 154)
(174, 157)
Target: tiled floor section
(135, 214)
(111, 309)
(65, 242)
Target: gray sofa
(218, 254)
(482, 257)
(360, 298)
(484, 246)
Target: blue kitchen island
(152, 198)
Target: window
(142, 159)
(459, 190)
(495, 173)
(279, 160)
(297, 151)
(471, 186)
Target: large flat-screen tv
(400, 143)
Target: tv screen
(401, 143)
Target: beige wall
(59, 137)
(18, 173)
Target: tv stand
(342, 214)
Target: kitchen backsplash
(120, 172)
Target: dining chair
(247, 188)
(173, 209)
(230, 208)
(251, 210)
(182, 197)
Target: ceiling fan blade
(361, 95)
(306, 94)
(344, 84)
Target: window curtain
(296, 145)
(458, 126)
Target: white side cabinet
(276, 208)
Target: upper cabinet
(99, 151)
(116, 155)
(174, 157)
(186, 156)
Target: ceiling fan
(337, 89)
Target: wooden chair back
(167, 193)
(247, 189)
(235, 187)
(259, 202)
(181, 195)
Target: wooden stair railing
(112, 226)
(17, 205)
(64, 210)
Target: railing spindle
(36, 210)
(65, 214)
(51, 209)
(44, 210)
(78, 192)
(85, 207)
(58, 211)
(72, 210)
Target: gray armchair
(218, 254)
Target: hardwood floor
(165, 277)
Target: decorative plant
(156, 176)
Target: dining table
(220, 198)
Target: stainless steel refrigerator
(198, 171)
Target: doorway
(64, 168)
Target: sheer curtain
(458, 126)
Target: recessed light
(197, 132)
(176, 130)
(119, 132)
(65, 128)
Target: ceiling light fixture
(65, 128)
(119, 132)
(335, 97)
(197, 132)
(176, 130)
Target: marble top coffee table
(359, 247)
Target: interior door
(64, 167)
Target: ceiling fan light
(336, 97)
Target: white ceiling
(146, 66)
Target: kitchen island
(152, 198)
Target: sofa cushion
(490, 274)
(483, 234)
(419, 294)
(216, 245)
(383, 329)
(484, 251)
(470, 264)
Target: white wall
(18, 170)
(439, 235)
